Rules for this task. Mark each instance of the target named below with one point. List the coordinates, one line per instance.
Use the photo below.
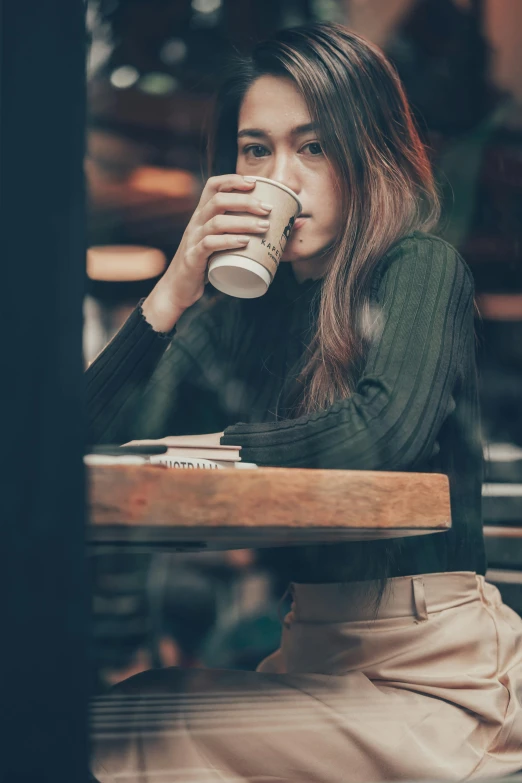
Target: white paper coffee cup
(248, 272)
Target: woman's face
(276, 140)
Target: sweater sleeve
(134, 385)
(405, 392)
(121, 369)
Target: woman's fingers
(226, 183)
(212, 243)
(235, 224)
(222, 202)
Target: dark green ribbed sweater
(415, 406)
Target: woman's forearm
(118, 375)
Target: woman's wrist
(160, 311)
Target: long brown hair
(383, 173)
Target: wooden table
(151, 507)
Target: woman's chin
(294, 254)
(299, 249)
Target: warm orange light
(124, 263)
(170, 182)
(500, 307)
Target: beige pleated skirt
(427, 687)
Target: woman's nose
(282, 171)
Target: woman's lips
(301, 220)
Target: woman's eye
(315, 148)
(256, 150)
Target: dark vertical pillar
(43, 606)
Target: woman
(397, 660)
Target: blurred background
(153, 67)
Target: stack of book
(192, 452)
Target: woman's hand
(210, 229)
